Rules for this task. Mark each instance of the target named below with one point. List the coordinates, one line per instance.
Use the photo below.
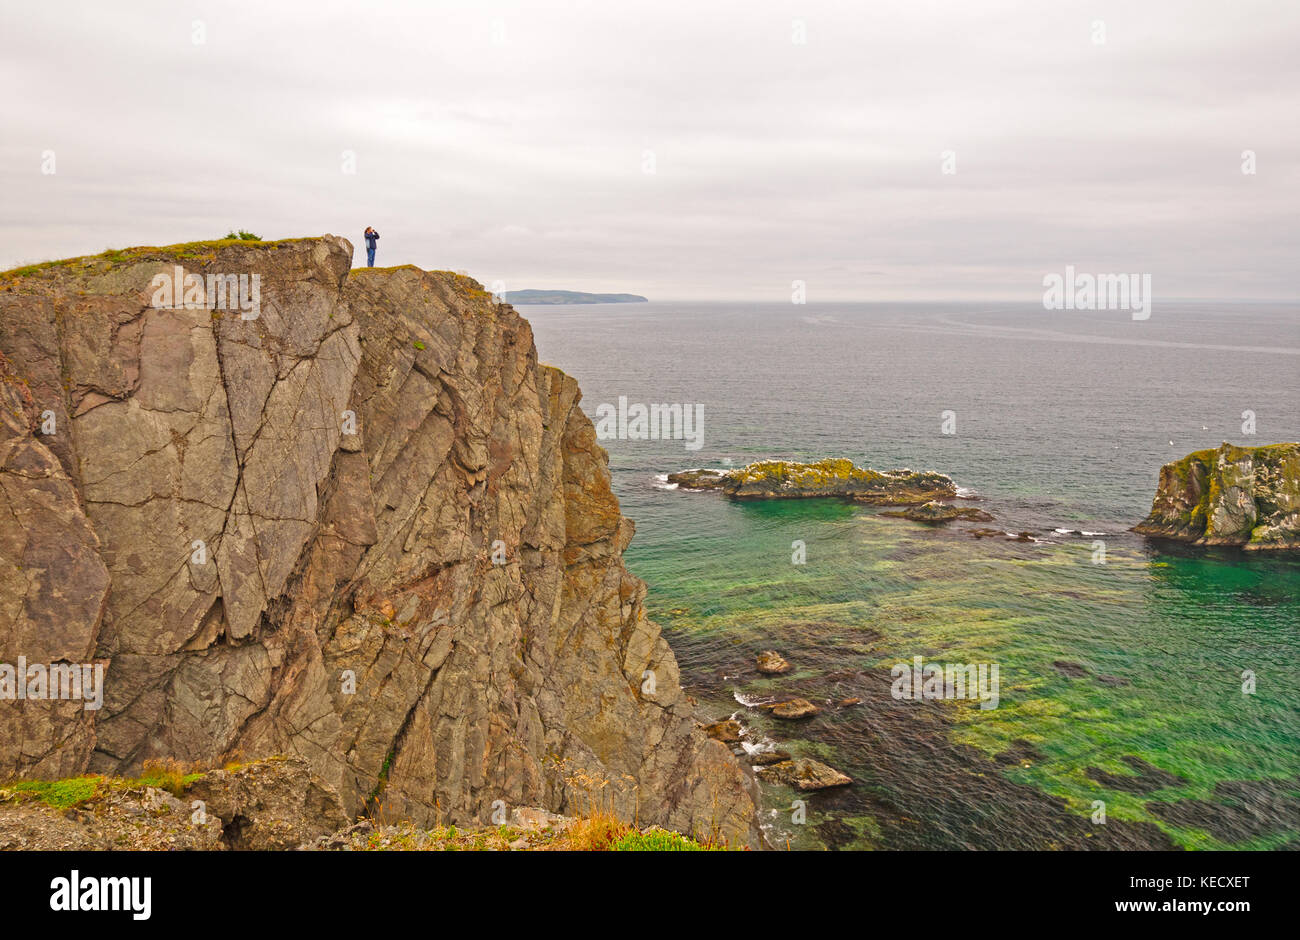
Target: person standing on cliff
(372, 238)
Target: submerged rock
(1021, 752)
(1244, 496)
(804, 774)
(1146, 779)
(1239, 811)
(935, 512)
(780, 479)
(771, 663)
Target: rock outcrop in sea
(1229, 495)
(364, 528)
(937, 513)
(780, 479)
(805, 774)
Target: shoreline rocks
(1248, 497)
(766, 758)
(727, 731)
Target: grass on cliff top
(598, 829)
(186, 251)
(1209, 455)
(660, 840)
(585, 834)
(61, 794)
(168, 775)
(462, 281)
(204, 251)
(362, 269)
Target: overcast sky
(512, 140)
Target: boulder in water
(795, 708)
(771, 663)
(805, 774)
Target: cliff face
(1245, 496)
(365, 528)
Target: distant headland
(569, 297)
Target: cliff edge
(340, 515)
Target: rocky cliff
(354, 521)
(1244, 496)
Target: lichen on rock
(1230, 495)
(781, 479)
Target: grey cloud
(522, 161)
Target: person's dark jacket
(371, 238)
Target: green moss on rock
(781, 479)
(1230, 495)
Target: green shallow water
(1170, 635)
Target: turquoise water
(1120, 682)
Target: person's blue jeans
(370, 257)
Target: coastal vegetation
(156, 808)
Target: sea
(1149, 694)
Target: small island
(780, 479)
(1248, 497)
(523, 297)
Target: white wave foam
(661, 482)
(749, 701)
